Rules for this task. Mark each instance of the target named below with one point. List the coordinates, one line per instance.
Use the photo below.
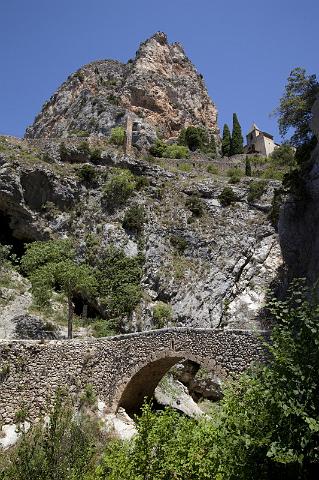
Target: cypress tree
(226, 141)
(237, 141)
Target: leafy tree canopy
(295, 106)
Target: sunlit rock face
(160, 87)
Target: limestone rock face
(160, 87)
(299, 219)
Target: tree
(237, 141)
(226, 141)
(52, 266)
(212, 150)
(195, 138)
(247, 167)
(283, 155)
(295, 106)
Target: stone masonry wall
(31, 371)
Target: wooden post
(70, 318)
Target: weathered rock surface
(28, 327)
(229, 256)
(160, 87)
(299, 219)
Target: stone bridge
(123, 370)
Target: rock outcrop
(299, 219)
(160, 88)
(212, 270)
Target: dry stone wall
(122, 370)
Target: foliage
(275, 207)
(226, 141)
(227, 197)
(162, 313)
(87, 173)
(212, 169)
(199, 138)
(195, 205)
(179, 243)
(65, 448)
(283, 155)
(117, 136)
(119, 280)
(103, 328)
(118, 188)
(234, 174)
(256, 190)
(247, 167)
(52, 266)
(7, 258)
(295, 106)
(266, 426)
(237, 141)
(134, 219)
(161, 150)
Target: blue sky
(244, 49)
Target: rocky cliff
(160, 87)
(299, 219)
(212, 267)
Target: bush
(7, 258)
(283, 155)
(87, 173)
(119, 280)
(162, 313)
(161, 150)
(141, 182)
(117, 136)
(195, 138)
(179, 243)
(119, 188)
(213, 169)
(256, 190)
(234, 174)
(134, 219)
(247, 167)
(227, 197)
(195, 205)
(62, 449)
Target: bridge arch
(143, 379)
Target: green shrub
(179, 243)
(176, 151)
(185, 167)
(162, 313)
(283, 155)
(84, 148)
(117, 136)
(195, 138)
(103, 328)
(118, 188)
(161, 150)
(141, 182)
(195, 205)
(213, 169)
(134, 219)
(63, 449)
(234, 174)
(227, 197)
(247, 167)
(119, 280)
(87, 173)
(256, 190)
(7, 258)
(273, 172)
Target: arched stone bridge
(123, 369)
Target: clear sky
(244, 49)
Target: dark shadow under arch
(144, 380)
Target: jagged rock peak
(160, 87)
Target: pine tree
(226, 141)
(248, 167)
(237, 142)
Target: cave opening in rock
(8, 236)
(84, 308)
